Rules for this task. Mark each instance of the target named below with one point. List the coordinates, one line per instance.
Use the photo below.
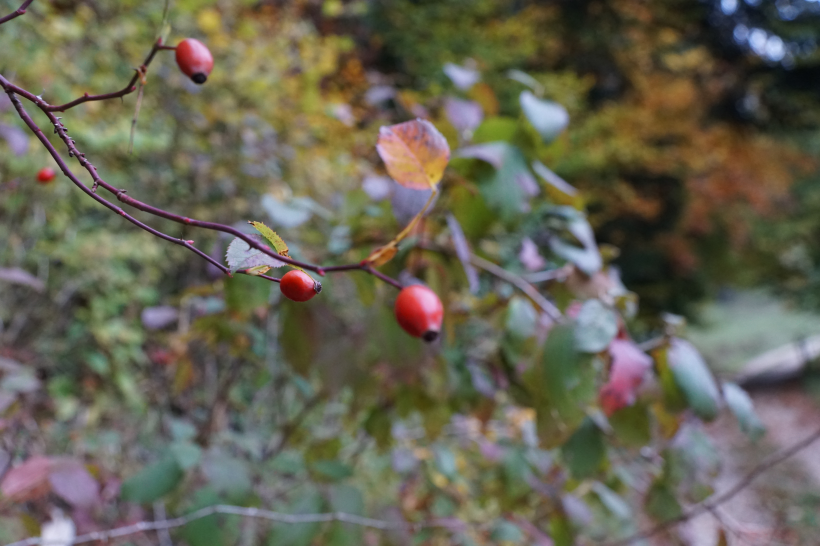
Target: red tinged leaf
(38, 476)
(626, 374)
(415, 153)
(27, 481)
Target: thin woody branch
(145, 526)
(713, 502)
(128, 89)
(17, 13)
(77, 182)
(278, 517)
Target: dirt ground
(781, 507)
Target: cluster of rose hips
(418, 309)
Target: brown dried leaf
(383, 254)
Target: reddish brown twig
(129, 88)
(20, 11)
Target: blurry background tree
(688, 137)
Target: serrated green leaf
(694, 379)
(741, 405)
(278, 243)
(152, 482)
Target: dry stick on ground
(716, 500)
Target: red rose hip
(194, 59)
(299, 286)
(419, 312)
(45, 175)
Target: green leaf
(331, 470)
(743, 409)
(298, 534)
(495, 129)
(506, 532)
(549, 118)
(378, 425)
(348, 499)
(153, 482)
(206, 531)
(586, 256)
(187, 454)
(227, 475)
(596, 327)
(632, 426)
(521, 318)
(660, 502)
(244, 293)
(613, 501)
(562, 387)
(508, 187)
(694, 379)
(584, 452)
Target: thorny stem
(14, 91)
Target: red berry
(46, 175)
(299, 286)
(194, 60)
(419, 312)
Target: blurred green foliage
(240, 396)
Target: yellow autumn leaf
(275, 240)
(415, 153)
